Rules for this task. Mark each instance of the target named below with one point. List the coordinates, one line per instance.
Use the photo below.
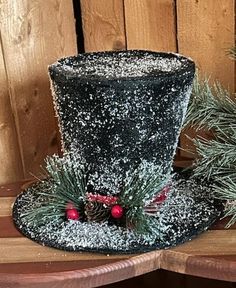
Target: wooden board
(103, 25)
(150, 24)
(21, 250)
(24, 263)
(9, 146)
(33, 35)
(6, 206)
(206, 29)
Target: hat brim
(188, 211)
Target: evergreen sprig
(226, 191)
(211, 108)
(66, 183)
(214, 109)
(232, 52)
(69, 176)
(140, 186)
(217, 158)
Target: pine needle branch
(140, 187)
(217, 158)
(232, 52)
(225, 189)
(67, 178)
(211, 108)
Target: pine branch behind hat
(214, 109)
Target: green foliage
(211, 108)
(214, 109)
(227, 191)
(217, 158)
(69, 177)
(140, 187)
(232, 52)
(67, 183)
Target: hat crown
(121, 109)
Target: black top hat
(120, 115)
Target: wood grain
(50, 266)
(231, 258)
(206, 29)
(22, 249)
(10, 156)
(34, 34)
(211, 242)
(110, 273)
(199, 266)
(12, 189)
(6, 204)
(7, 228)
(150, 24)
(103, 25)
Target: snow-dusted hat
(120, 115)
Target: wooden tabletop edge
(105, 274)
(198, 265)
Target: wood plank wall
(206, 29)
(34, 33)
(201, 29)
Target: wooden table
(23, 263)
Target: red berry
(70, 205)
(117, 211)
(72, 214)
